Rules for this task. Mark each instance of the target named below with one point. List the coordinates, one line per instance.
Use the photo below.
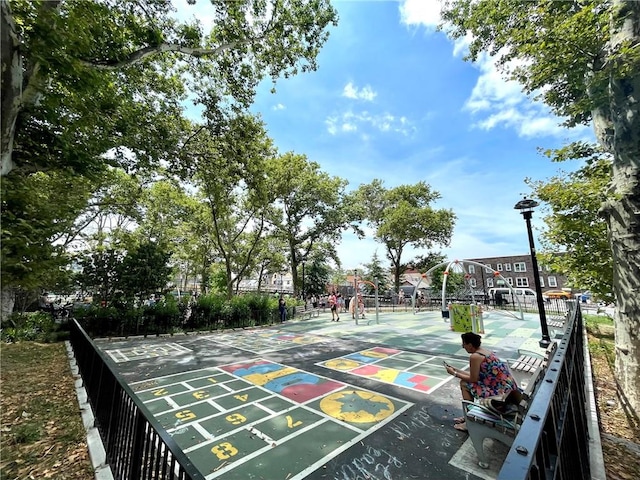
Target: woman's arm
(474, 369)
(475, 360)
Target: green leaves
(575, 225)
(403, 216)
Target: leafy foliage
(374, 272)
(116, 275)
(403, 216)
(575, 225)
(309, 212)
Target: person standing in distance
(333, 305)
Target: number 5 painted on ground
(185, 415)
(290, 423)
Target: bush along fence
(169, 316)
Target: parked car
(506, 295)
(557, 294)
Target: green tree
(402, 216)
(99, 273)
(37, 218)
(85, 84)
(582, 59)
(91, 76)
(230, 171)
(270, 258)
(374, 272)
(309, 208)
(317, 274)
(455, 281)
(574, 224)
(144, 270)
(423, 263)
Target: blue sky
(393, 99)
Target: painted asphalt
(317, 399)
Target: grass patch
(42, 431)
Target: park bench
(527, 363)
(305, 312)
(557, 324)
(500, 420)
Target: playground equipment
(465, 315)
(356, 314)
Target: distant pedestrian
(333, 305)
(340, 303)
(282, 308)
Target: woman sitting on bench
(488, 376)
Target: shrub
(38, 326)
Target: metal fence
(553, 442)
(136, 446)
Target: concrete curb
(596, 459)
(94, 442)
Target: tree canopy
(574, 224)
(309, 208)
(404, 216)
(84, 78)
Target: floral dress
(494, 378)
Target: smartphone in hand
(446, 365)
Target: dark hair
(472, 338)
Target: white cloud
(365, 93)
(278, 106)
(349, 121)
(420, 12)
(502, 103)
(497, 102)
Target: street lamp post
(526, 206)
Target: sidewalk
(317, 399)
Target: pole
(546, 340)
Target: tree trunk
(7, 301)
(623, 209)
(11, 86)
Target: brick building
(516, 269)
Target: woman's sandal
(459, 420)
(461, 427)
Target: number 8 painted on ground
(224, 450)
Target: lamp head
(526, 205)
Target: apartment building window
(487, 269)
(522, 282)
(510, 281)
(472, 282)
(489, 282)
(472, 269)
(552, 281)
(542, 282)
(507, 267)
(519, 267)
(499, 267)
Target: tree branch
(139, 55)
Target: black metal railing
(553, 442)
(136, 446)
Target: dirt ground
(42, 435)
(619, 430)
